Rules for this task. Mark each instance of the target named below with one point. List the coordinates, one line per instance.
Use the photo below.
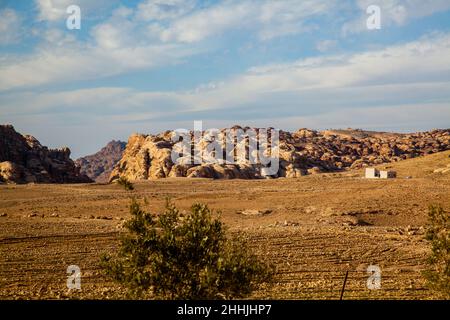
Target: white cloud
(164, 9)
(54, 10)
(83, 62)
(208, 22)
(269, 19)
(118, 45)
(326, 45)
(123, 42)
(57, 37)
(427, 58)
(10, 25)
(281, 18)
(116, 32)
(395, 12)
(418, 70)
(416, 73)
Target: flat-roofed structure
(387, 174)
(372, 173)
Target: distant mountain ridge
(301, 152)
(23, 160)
(98, 166)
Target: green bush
(438, 233)
(125, 183)
(184, 256)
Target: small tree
(177, 256)
(125, 183)
(438, 233)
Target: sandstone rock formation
(98, 166)
(23, 159)
(301, 152)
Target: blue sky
(152, 65)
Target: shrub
(125, 183)
(438, 233)
(184, 256)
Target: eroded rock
(23, 160)
(300, 153)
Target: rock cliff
(301, 152)
(23, 159)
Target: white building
(387, 174)
(372, 173)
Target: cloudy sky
(151, 65)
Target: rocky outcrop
(23, 159)
(98, 166)
(300, 153)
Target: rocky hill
(301, 152)
(23, 159)
(98, 166)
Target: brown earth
(314, 228)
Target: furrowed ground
(314, 229)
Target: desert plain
(314, 228)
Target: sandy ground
(314, 228)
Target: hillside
(431, 166)
(360, 134)
(301, 153)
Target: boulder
(9, 171)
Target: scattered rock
(104, 218)
(351, 221)
(314, 170)
(252, 212)
(120, 225)
(285, 223)
(54, 215)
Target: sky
(153, 65)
